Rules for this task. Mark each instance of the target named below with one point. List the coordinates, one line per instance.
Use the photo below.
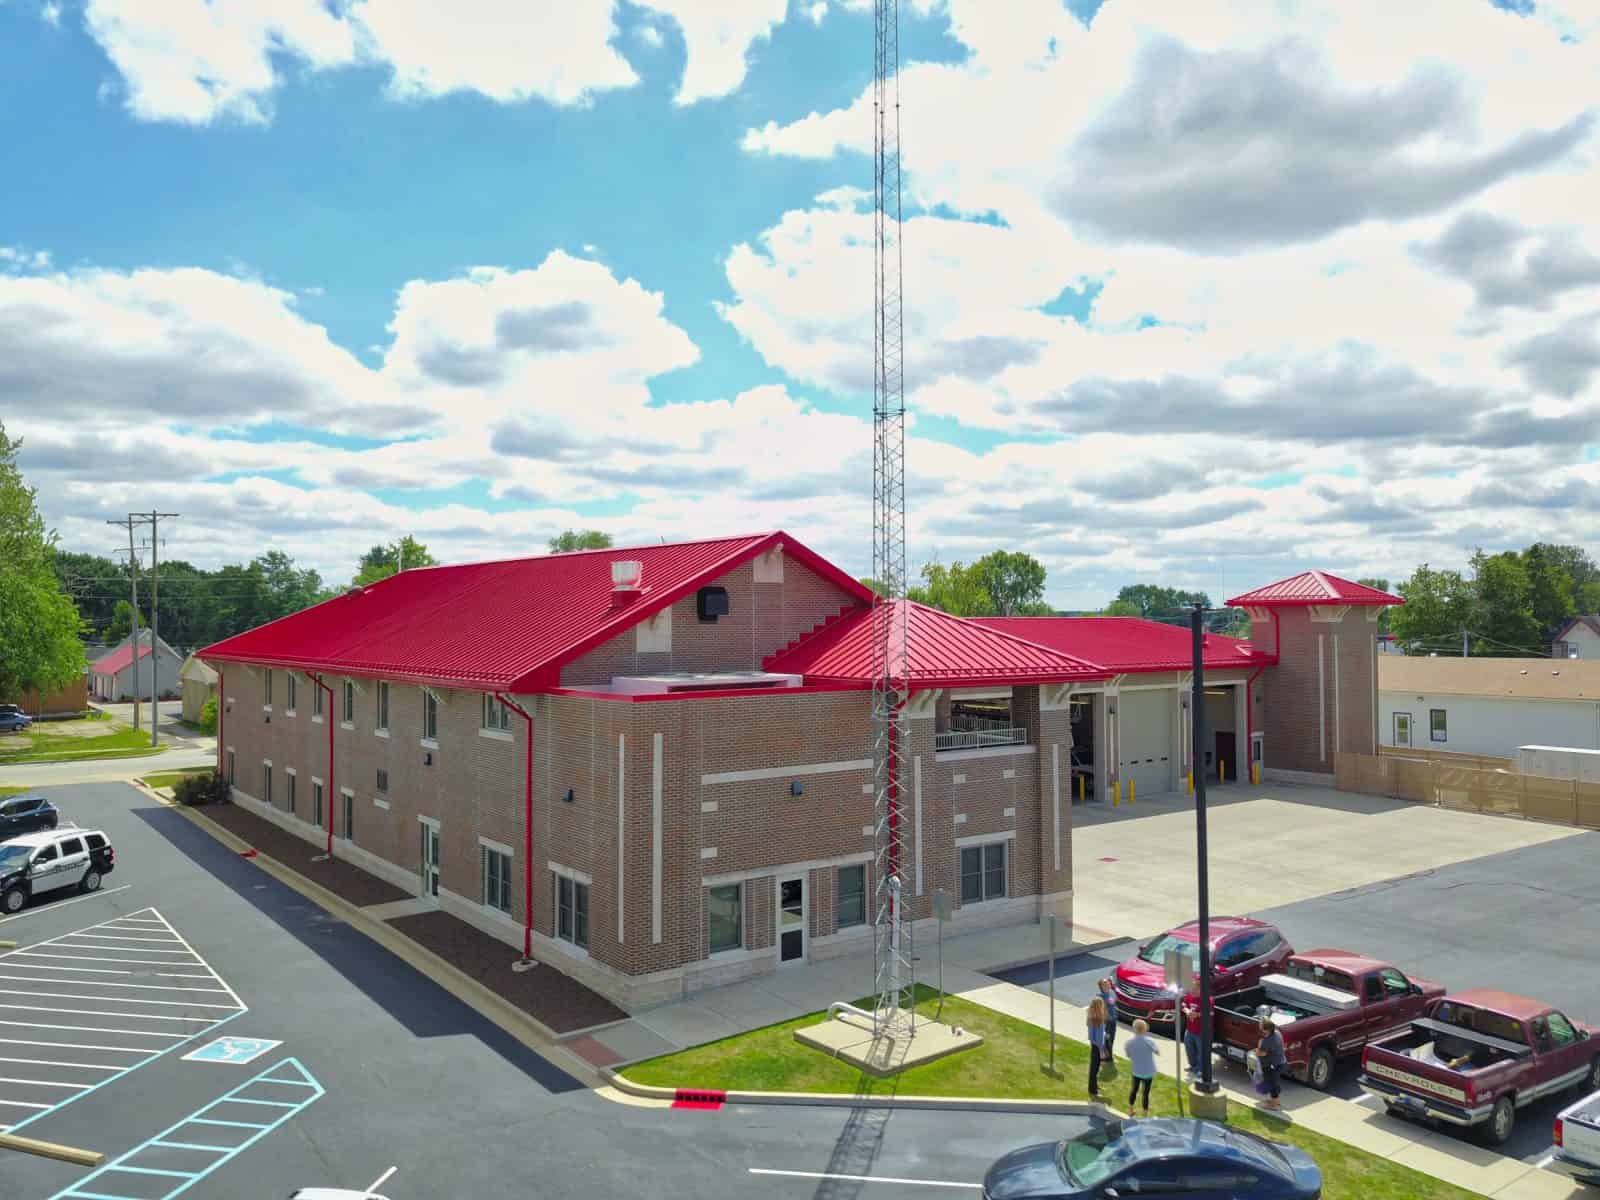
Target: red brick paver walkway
(343, 879)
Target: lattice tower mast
(891, 649)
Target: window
(383, 706)
(1561, 1031)
(852, 906)
(724, 929)
(292, 687)
(383, 782)
(349, 711)
(96, 841)
(1402, 729)
(572, 911)
(316, 802)
(230, 768)
(495, 714)
(48, 854)
(1436, 725)
(983, 872)
(1233, 953)
(497, 880)
(290, 796)
(316, 698)
(266, 782)
(1394, 983)
(1373, 988)
(267, 694)
(349, 816)
(430, 717)
(71, 846)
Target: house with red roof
(113, 677)
(652, 767)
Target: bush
(208, 716)
(211, 788)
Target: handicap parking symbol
(235, 1051)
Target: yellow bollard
(1222, 771)
(1255, 774)
(1131, 782)
(1189, 781)
(1116, 793)
(1082, 786)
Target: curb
(528, 1030)
(646, 1091)
(1065, 954)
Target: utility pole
(1466, 652)
(155, 620)
(133, 576)
(1197, 628)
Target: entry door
(430, 861)
(792, 919)
(1402, 729)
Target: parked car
(1328, 1004)
(1242, 951)
(1577, 1138)
(14, 720)
(25, 814)
(40, 864)
(1155, 1158)
(1481, 1056)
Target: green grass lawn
(1011, 1063)
(11, 791)
(163, 779)
(41, 744)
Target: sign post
(1177, 969)
(941, 911)
(1053, 994)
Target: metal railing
(978, 739)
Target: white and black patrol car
(50, 861)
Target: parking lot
(1523, 921)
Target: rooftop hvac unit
(626, 574)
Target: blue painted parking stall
(185, 1153)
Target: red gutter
(327, 716)
(527, 828)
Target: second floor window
(383, 706)
(430, 716)
(349, 715)
(292, 686)
(268, 700)
(495, 714)
(316, 698)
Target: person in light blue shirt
(1141, 1052)
(1109, 995)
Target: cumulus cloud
(717, 36)
(1509, 265)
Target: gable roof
(945, 651)
(194, 669)
(1592, 623)
(506, 625)
(119, 659)
(1130, 644)
(1511, 678)
(1313, 587)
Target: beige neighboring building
(1578, 638)
(1490, 706)
(199, 683)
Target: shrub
(210, 788)
(208, 716)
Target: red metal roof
(505, 625)
(1129, 644)
(945, 651)
(118, 659)
(1313, 587)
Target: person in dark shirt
(1273, 1060)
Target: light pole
(1197, 619)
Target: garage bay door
(1145, 727)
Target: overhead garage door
(1145, 729)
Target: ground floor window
(497, 880)
(983, 872)
(572, 911)
(316, 803)
(290, 796)
(230, 768)
(349, 816)
(852, 905)
(724, 928)
(266, 782)
(1436, 725)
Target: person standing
(1109, 995)
(1141, 1051)
(1273, 1060)
(1097, 1044)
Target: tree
(1160, 603)
(1553, 581)
(956, 589)
(1122, 608)
(1372, 581)
(121, 625)
(1505, 621)
(383, 561)
(569, 540)
(39, 624)
(1438, 609)
(1014, 582)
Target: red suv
(1242, 951)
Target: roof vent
(626, 574)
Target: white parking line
(23, 1104)
(152, 987)
(938, 1183)
(100, 1012)
(12, 962)
(1545, 1161)
(76, 1046)
(89, 1029)
(122, 999)
(36, 912)
(46, 1083)
(50, 1062)
(381, 1179)
(140, 962)
(141, 940)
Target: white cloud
(718, 35)
(50, 14)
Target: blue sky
(273, 256)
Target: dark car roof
(31, 796)
(1169, 1137)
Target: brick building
(653, 765)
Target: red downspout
(327, 716)
(222, 712)
(527, 828)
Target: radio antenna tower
(891, 650)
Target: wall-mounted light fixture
(568, 798)
(427, 758)
(797, 788)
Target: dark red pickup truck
(1479, 1057)
(1328, 1004)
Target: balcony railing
(980, 739)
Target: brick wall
(1316, 706)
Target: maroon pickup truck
(1328, 1004)
(1479, 1057)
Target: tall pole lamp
(1207, 1085)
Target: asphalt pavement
(339, 1061)
(1524, 921)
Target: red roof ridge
(1076, 658)
(512, 558)
(1314, 588)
